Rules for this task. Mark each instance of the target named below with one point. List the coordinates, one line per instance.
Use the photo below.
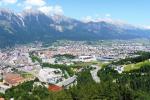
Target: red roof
(11, 78)
(54, 88)
(2, 99)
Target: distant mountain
(31, 25)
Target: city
(25, 63)
(74, 50)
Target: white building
(119, 69)
(68, 82)
(3, 88)
(50, 75)
(87, 58)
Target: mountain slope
(32, 25)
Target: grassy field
(135, 66)
(26, 75)
(89, 63)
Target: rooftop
(54, 88)
(12, 78)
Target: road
(94, 74)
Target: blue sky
(131, 11)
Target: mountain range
(32, 25)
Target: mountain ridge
(30, 26)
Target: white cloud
(108, 15)
(35, 2)
(97, 18)
(42, 6)
(9, 1)
(88, 19)
(147, 27)
(46, 9)
(27, 7)
(51, 10)
(57, 9)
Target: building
(2, 98)
(13, 79)
(50, 75)
(54, 88)
(3, 88)
(68, 82)
(119, 69)
(87, 58)
(105, 59)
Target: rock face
(29, 26)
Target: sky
(131, 11)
